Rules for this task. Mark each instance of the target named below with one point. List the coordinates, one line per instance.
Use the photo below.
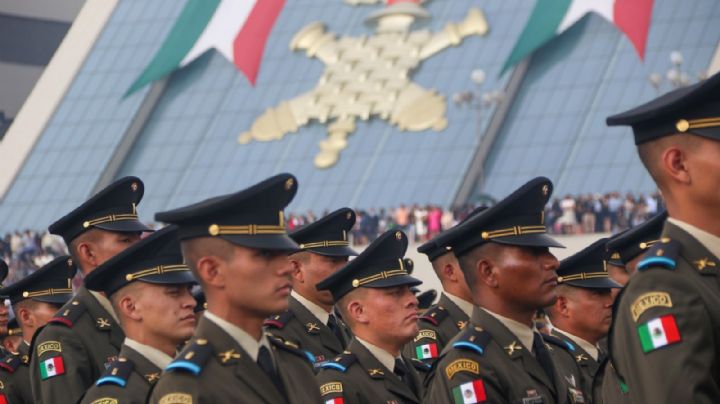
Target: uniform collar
(463, 304)
(154, 355)
(245, 340)
(105, 303)
(313, 308)
(383, 356)
(591, 349)
(523, 332)
(709, 241)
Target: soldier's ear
(297, 273)
(674, 164)
(211, 270)
(486, 272)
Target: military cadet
(499, 357)
(664, 342)
(442, 321)
(13, 337)
(310, 320)
(627, 248)
(237, 247)
(85, 330)
(4, 311)
(149, 288)
(35, 299)
(373, 294)
(582, 314)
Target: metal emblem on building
(367, 76)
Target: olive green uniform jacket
(15, 376)
(588, 366)
(213, 368)
(489, 359)
(299, 325)
(127, 381)
(440, 323)
(359, 378)
(664, 342)
(85, 339)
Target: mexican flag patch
(426, 351)
(52, 367)
(658, 332)
(469, 393)
(336, 400)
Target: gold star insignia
(228, 355)
(103, 322)
(312, 328)
(703, 263)
(152, 377)
(513, 347)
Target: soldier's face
(3, 317)
(526, 276)
(42, 312)
(392, 313)
(319, 268)
(590, 311)
(704, 167)
(166, 311)
(258, 281)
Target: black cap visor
(336, 251)
(594, 283)
(167, 278)
(393, 281)
(529, 240)
(278, 242)
(60, 298)
(124, 226)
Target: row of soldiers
(291, 318)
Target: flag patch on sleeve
(426, 351)
(469, 393)
(52, 367)
(658, 332)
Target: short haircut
(132, 288)
(650, 152)
(196, 248)
(302, 256)
(469, 260)
(89, 236)
(28, 304)
(341, 305)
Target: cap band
(110, 218)
(338, 243)
(585, 275)
(683, 125)
(251, 229)
(160, 269)
(512, 231)
(14, 331)
(381, 275)
(46, 292)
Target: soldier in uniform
(149, 288)
(627, 248)
(442, 321)
(582, 314)
(664, 342)
(374, 297)
(4, 311)
(35, 299)
(499, 356)
(237, 247)
(14, 336)
(310, 321)
(86, 329)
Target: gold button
(214, 230)
(643, 245)
(355, 283)
(665, 239)
(201, 341)
(448, 248)
(26, 294)
(86, 224)
(122, 359)
(485, 235)
(682, 125)
(75, 303)
(129, 277)
(559, 279)
(302, 246)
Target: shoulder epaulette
(117, 373)
(279, 320)
(662, 254)
(341, 362)
(473, 338)
(420, 365)
(192, 358)
(10, 363)
(68, 314)
(292, 347)
(551, 339)
(434, 315)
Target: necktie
(401, 371)
(543, 357)
(265, 362)
(335, 328)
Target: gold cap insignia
(398, 235)
(682, 125)
(289, 184)
(134, 186)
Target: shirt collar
(523, 332)
(245, 340)
(313, 308)
(154, 355)
(463, 304)
(105, 303)
(709, 241)
(383, 356)
(588, 347)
